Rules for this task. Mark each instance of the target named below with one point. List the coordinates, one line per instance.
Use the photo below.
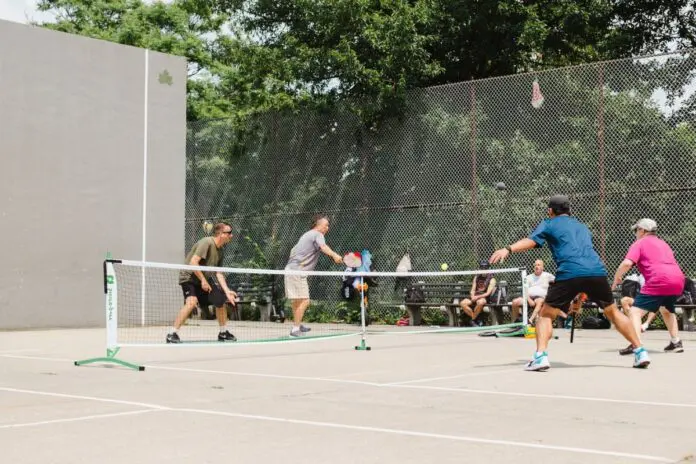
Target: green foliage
(325, 312)
(435, 318)
(249, 313)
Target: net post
(525, 306)
(111, 310)
(363, 346)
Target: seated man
(482, 288)
(537, 285)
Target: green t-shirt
(210, 255)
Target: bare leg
(298, 309)
(544, 326)
(651, 317)
(538, 304)
(466, 307)
(623, 324)
(516, 308)
(671, 323)
(479, 307)
(636, 316)
(185, 311)
(221, 313)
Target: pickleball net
(143, 299)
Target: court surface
(435, 398)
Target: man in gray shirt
(304, 257)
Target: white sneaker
(538, 363)
(296, 333)
(641, 358)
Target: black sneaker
(675, 347)
(626, 351)
(173, 338)
(226, 336)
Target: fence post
(600, 141)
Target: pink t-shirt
(655, 260)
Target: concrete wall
(72, 144)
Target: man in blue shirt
(579, 270)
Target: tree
(248, 56)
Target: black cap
(484, 264)
(560, 203)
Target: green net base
(110, 358)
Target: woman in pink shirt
(664, 279)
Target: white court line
(35, 358)
(76, 419)
(25, 350)
(388, 385)
(87, 398)
(432, 379)
(541, 395)
(334, 425)
(413, 433)
(271, 376)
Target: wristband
(508, 249)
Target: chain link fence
(617, 137)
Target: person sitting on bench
(482, 288)
(537, 286)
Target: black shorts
(597, 289)
(216, 297)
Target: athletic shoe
(626, 351)
(539, 363)
(304, 328)
(641, 360)
(226, 336)
(173, 338)
(296, 332)
(675, 347)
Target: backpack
(629, 288)
(596, 322)
(689, 295)
(415, 294)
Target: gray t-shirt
(305, 254)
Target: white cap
(646, 224)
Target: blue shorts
(652, 303)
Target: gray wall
(72, 131)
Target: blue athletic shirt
(571, 245)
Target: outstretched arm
(329, 252)
(517, 247)
(624, 267)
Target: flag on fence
(537, 97)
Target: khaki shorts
(296, 287)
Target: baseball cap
(561, 202)
(483, 264)
(646, 224)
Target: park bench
(263, 296)
(447, 296)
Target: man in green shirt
(206, 288)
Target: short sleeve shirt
(304, 256)
(571, 246)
